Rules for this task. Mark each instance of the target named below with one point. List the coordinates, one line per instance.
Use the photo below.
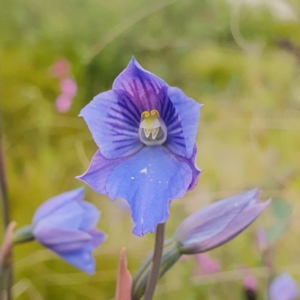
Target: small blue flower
(219, 222)
(66, 225)
(146, 133)
(284, 287)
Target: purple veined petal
(212, 219)
(57, 202)
(67, 217)
(234, 228)
(189, 113)
(114, 124)
(193, 165)
(81, 259)
(61, 240)
(98, 237)
(149, 181)
(284, 287)
(175, 135)
(98, 172)
(90, 216)
(142, 85)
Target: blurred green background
(239, 58)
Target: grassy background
(240, 61)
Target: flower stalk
(7, 271)
(154, 273)
(170, 255)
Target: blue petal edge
(149, 181)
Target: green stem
(145, 265)
(170, 255)
(158, 249)
(23, 235)
(7, 271)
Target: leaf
(281, 209)
(275, 232)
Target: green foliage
(282, 212)
(248, 134)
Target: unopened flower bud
(66, 224)
(219, 222)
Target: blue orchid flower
(146, 133)
(66, 224)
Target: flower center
(153, 130)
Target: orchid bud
(219, 222)
(66, 225)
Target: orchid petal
(149, 181)
(98, 237)
(98, 172)
(90, 216)
(189, 113)
(61, 240)
(114, 124)
(142, 85)
(54, 203)
(175, 135)
(81, 259)
(66, 217)
(193, 165)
